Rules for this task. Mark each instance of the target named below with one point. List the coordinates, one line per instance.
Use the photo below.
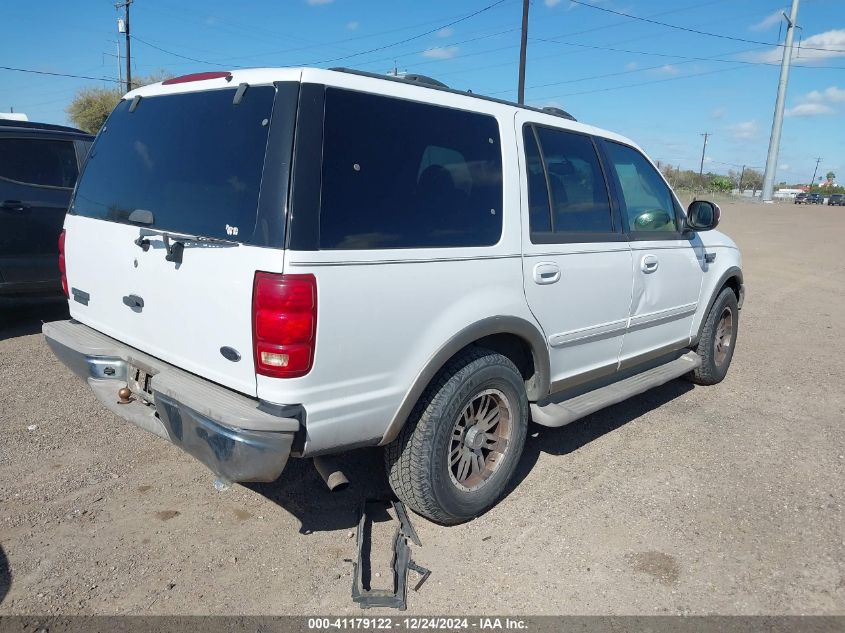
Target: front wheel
(461, 444)
(718, 339)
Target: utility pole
(124, 28)
(522, 48)
(777, 122)
(813, 181)
(119, 57)
(701, 167)
(741, 174)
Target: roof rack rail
(423, 79)
(428, 82)
(558, 112)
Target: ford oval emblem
(230, 353)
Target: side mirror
(703, 215)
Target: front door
(576, 261)
(666, 270)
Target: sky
(662, 74)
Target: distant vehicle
(815, 198)
(836, 200)
(801, 198)
(39, 164)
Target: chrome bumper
(235, 436)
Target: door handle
(15, 206)
(648, 264)
(546, 273)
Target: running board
(561, 413)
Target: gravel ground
(690, 500)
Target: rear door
(667, 269)
(37, 175)
(183, 169)
(576, 263)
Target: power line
(350, 55)
(646, 83)
(44, 72)
(696, 31)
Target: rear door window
(567, 193)
(193, 159)
(39, 162)
(403, 174)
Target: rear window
(194, 160)
(39, 162)
(401, 174)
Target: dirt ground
(690, 500)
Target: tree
(90, 106)
(721, 183)
(831, 176)
(752, 179)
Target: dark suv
(815, 198)
(39, 164)
(836, 200)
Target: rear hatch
(180, 203)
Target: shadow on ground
(22, 318)
(5, 575)
(301, 491)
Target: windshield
(194, 160)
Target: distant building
(14, 116)
(787, 194)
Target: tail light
(284, 324)
(62, 266)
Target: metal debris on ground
(362, 594)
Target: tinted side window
(579, 198)
(648, 203)
(401, 174)
(41, 162)
(539, 211)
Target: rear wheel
(718, 339)
(461, 444)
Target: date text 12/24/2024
(416, 623)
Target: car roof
(416, 88)
(34, 126)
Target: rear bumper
(237, 437)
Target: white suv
(299, 262)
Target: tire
(430, 465)
(718, 340)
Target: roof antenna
(395, 69)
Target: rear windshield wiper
(175, 248)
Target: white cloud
(746, 130)
(833, 41)
(818, 102)
(441, 52)
(631, 66)
(314, 3)
(552, 3)
(831, 95)
(718, 113)
(783, 167)
(353, 26)
(768, 22)
(668, 69)
(445, 32)
(809, 109)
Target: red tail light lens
(62, 265)
(284, 324)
